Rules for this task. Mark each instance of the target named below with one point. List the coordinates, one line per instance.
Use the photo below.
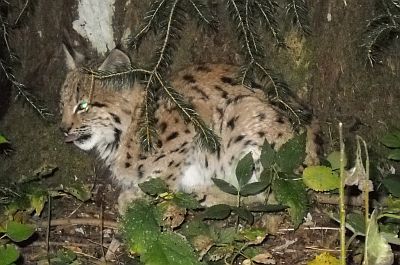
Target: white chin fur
(88, 144)
(99, 138)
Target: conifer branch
(23, 93)
(147, 131)
(382, 29)
(24, 8)
(238, 17)
(123, 78)
(267, 10)
(150, 21)
(203, 13)
(163, 53)
(9, 59)
(298, 9)
(249, 18)
(206, 136)
(281, 91)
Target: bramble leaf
(217, 212)
(185, 200)
(244, 214)
(244, 169)
(155, 247)
(293, 194)
(394, 154)
(292, 154)
(392, 183)
(391, 140)
(18, 232)
(253, 188)
(334, 160)
(8, 254)
(153, 186)
(225, 186)
(320, 178)
(267, 156)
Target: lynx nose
(65, 128)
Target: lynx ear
(72, 57)
(116, 61)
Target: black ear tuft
(116, 61)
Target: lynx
(108, 124)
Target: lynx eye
(82, 106)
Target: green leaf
(38, 201)
(185, 200)
(378, 250)
(324, 258)
(267, 175)
(227, 235)
(43, 172)
(154, 186)
(8, 254)
(391, 140)
(293, 194)
(267, 156)
(268, 208)
(3, 139)
(292, 154)
(321, 178)
(253, 188)
(79, 190)
(18, 232)
(356, 223)
(169, 249)
(144, 237)
(196, 227)
(391, 238)
(394, 154)
(392, 183)
(140, 226)
(244, 214)
(217, 212)
(254, 235)
(225, 186)
(65, 256)
(244, 169)
(334, 160)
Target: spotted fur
(242, 118)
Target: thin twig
(81, 221)
(101, 233)
(22, 11)
(309, 228)
(342, 205)
(48, 228)
(42, 244)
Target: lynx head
(93, 115)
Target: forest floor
(76, 226)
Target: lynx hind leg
(126, 196)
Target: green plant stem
(239, 252)
(351, 240)
(238, 197)
(366, 193)
(389, 215)
(341, 199)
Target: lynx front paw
(126, 197)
